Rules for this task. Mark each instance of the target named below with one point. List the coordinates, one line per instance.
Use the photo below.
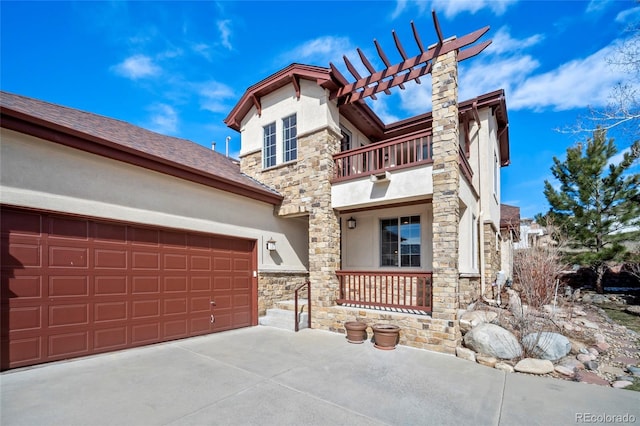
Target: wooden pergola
(410, 68)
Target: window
(290, 138)
(345, 142)
(400, 241)
(269, 146)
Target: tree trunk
(600, 270)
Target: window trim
(267, 157)
(398, 252)
(290, 143)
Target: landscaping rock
(591, 365)
(493, 340)
(593, 351)
(466, 353)
(584, 358)
(565, 371)
(571, 363)
(534, 366)
(616, 371)
(592, 378)
(471, 319)
(576, 346)
(602, 346)
(489, 361)
(621, 384)
(547, 345)
(633, 370)
(504, 367)
(633, 309)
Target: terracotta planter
(385, 336)
(356, 331)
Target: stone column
(446, 184)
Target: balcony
(396, 170)
(397, 291)
(376, 159)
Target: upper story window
(496, 173)
(269, 146)
(345, 142)
(290, 138)
(400, 241)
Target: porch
(408, 292)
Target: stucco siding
(43, 175)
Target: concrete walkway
(267, 376)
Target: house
(509, 236)
(114, 236)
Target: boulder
(633, 309)
(591, 365)
(504, 367)
(621, 384)
(471, 319)
(534, 366)
(547, 345)
(493, 340)
(465, 353)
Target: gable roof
(132, 144)
(510, 219)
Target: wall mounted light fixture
(351, 223)
(271, 244)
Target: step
(290, 305)
(282, 318)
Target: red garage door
(73, 286)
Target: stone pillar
(446, 184)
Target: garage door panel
(145, 309)
(104, 312)
(145, 333)
(175, 306)
(146, 285)
(110, 338)
(68, 345)
(110, 285)
(21, 255)
(24, 318)
(23, 287)
(68, 315)
(68, 229)
(68, 286)
(74, 286)
(25, 351)
(175, 284)
(109, 233)
(68, 257)
(201, 284)
(145, 260)
(110, 259)
(27, 223)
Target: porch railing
(410, 291)
(376, 158)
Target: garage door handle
(213, 303)
(212, 319)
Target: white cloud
(597, 5)
(502, 42)
(224, 27)
(137, 66)
(214, 96)
(321, 50)
(164, 119)
(628, 16)
(454, 7)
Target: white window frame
(290, 138)
(269, 144)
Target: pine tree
(598, 203)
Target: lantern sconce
(351, 223)
(271, 244)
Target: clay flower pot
(356, 331)
(385, 336)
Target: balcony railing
(403, 291)
(376, 158)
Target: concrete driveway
(267, 376)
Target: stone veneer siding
(306, 187)
(446, 201)
(469, 290)
(278, 286)
(492, 256)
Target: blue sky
(179, 67)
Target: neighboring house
(114, 236)
(509, 236)
(532, 234)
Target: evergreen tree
(597, 204)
